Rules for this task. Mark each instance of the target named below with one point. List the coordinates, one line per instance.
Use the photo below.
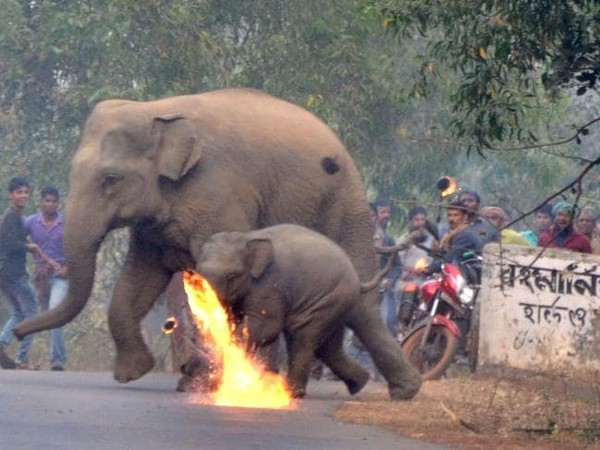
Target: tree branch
(577, 182)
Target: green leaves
(505, 51)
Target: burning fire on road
(244, 381)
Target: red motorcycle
(431, 344)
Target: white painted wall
(540, 313)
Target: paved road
(78, 410)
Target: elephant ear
(260, 253)
(178, 147)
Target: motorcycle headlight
(466, 295)
(461, 282)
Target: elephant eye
(110, 181)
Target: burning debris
(223, 369)
(170, 325)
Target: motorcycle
(430, 344)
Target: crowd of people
(467, 228)
(40, 235)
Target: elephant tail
(371, 284)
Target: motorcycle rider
(460, 238)
(459, 241)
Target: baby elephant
(289, 279)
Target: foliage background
(415, 89)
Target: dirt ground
(469, 411)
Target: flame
(411, 287)
(450, 186)
(421, 265)
(170, 325)
(244, 380)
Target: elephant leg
(268, 355)
(265, 326)
(404, 381)
(142, 280)
(301, 356)
(331, 352)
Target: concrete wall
(540, 312)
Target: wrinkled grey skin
(180, 169)
(287, 278)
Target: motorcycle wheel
(433, 359)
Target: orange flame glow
(451, 188)
(421, 265)
(244, 381)
(170, 325)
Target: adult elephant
(180, 169)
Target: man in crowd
(382, 238)
(460, 240)
(50, 278)
(14, 280)
(563, 234)
(542, 220)
(461, 237)
(411, 277)
(481, 228)
(586, 222)
(499, 219)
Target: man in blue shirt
(50, 278)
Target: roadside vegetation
(501, 95)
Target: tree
(59, 58)
(506, 64)
(507, 53)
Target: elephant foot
(195, 384)
(199, 375)
(130, 366)
(356, 385)
(298, 393)
(408, 389)
(186, 384)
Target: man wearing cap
(562, 234)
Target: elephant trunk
(81, 262)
